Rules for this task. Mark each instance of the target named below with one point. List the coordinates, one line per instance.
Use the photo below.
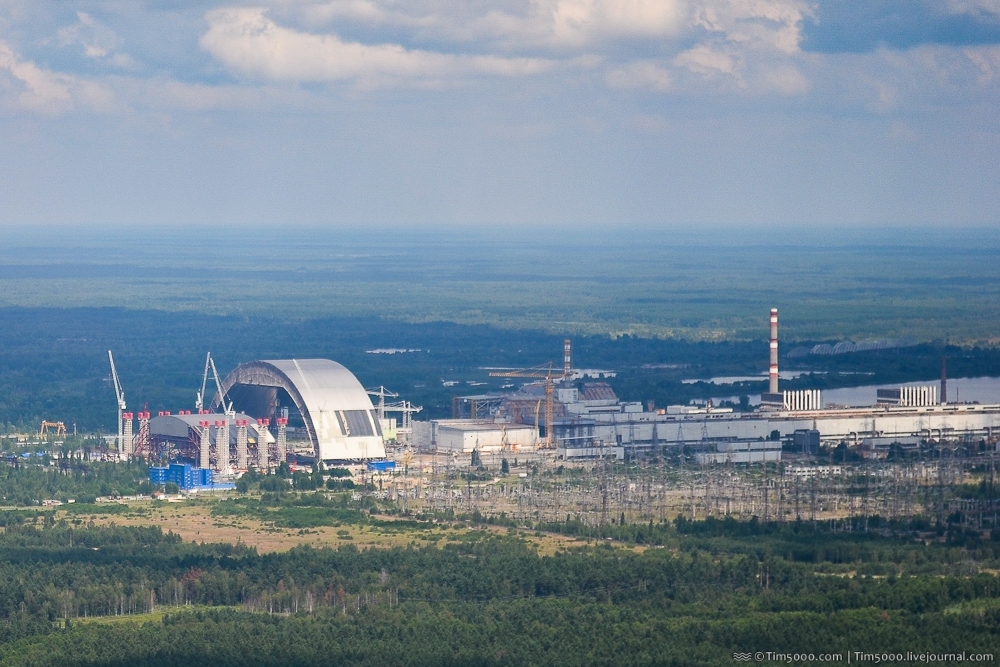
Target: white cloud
(973, 6)
(768, 24)
(986, 59)
(95, 38)
(248, 41)
(705, 59)
(581, 22)
(34, 88)
(730, 37)
(646, 75)
(784, 79)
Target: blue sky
(658, 113)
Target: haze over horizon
(655, 113)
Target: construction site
(576, 417)
(563, 446)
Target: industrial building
(338, 417)
(740, 451)
(186, 477)
(226, 443)
(463, 436)
(587, 418)
(336, 414)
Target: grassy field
(199, 521)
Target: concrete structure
(242, 442)
(338, 417)
(740, 451)
(193, 438)
(908, 397)
(462, 436)
(806, 441)
(570, 451)
(803, 399)
(853, 425)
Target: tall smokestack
(567, 358)
(944, 380)
(773, 372)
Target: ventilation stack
(944, 380)
(567, 359)
(773, 372)
(205, 446)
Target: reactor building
(588, 419)
(337, 414)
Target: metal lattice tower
(241, 443)
(142, 445)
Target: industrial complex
(558, 413)
(247, 424)
(588, 420)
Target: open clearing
(194, 521)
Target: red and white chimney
(773, 372)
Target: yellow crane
(59, 427)
(543, 372)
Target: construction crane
(227, 408)
(382, 392)
(199, 404)
(543, 372)
(120, 395)
(408, 409)
(59, 427)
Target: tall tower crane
(199, 404)
(543, 372)
(120, 395)
(381, 392)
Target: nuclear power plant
(585, 419)
(559, 412)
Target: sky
(516, 114)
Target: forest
(54, 365)
(78, 594)
(77, 589)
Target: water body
(960, 390)
(732, 379)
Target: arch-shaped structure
(338, 415)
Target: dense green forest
(692, 283)
(712, 589)
(53, 362)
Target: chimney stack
(567, 359)
(944, 380)
(773, 372)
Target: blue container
(381, 466)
